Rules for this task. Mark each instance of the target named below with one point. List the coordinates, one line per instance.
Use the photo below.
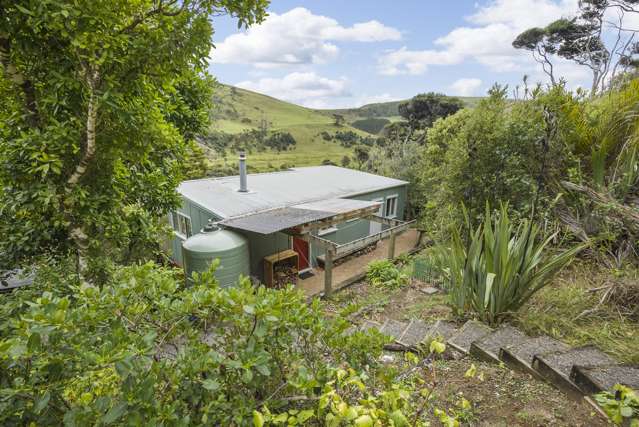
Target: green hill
(388, 110)
(237, 110)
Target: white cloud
(308, 89)
(296, 37)
(404, 61)
(487, 40)
(374, 99)
(465, 87)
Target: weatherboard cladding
(281, 189)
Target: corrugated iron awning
(298, 218)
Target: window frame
(394, 199)
(176, 222)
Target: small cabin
(301, 218)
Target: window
(390, 210)
(181, 224)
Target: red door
(301, 247)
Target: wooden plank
(323, 243)
(328, 274)
(392, 222)
(372, 238)
(288, 253)
(391, 246)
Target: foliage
(424, 109)
(348, 400)
(602, 192)
(496, 153)
(384, 274)
(280, 141)
(621, 405)
(371, 124)
(569, 310)
(582, 39)
(500, 267)
(101, 99)
(150, 350)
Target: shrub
(500, 267)
(384, 274)
(621, 405)
(145, 349)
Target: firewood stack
(283, 275)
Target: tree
(422, 110)
(583, 39)
(346, 160)
(100, 100)
(338, 120)
(280, 141)
(361, 155)
(536, 40)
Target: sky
(347, 53)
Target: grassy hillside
(386, 110)
(237, 110)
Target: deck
(355, 269)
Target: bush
(147, 350)
(384, 274)
(500, 268)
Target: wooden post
(328, 273)
(391, 246)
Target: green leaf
(210, 385)
(626, 411)
(258, 419)
(41, 402)
(114, 413)
(23, 10)
(364, 421)
(437, 347)
(399, 419)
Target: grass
(238, 110)
(558, 310)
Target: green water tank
(231, 248)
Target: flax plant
(499, 267)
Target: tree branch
(161, 9)
(19, 80)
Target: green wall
(263, 245)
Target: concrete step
(370, 324)
(594, 379)
(471, 331)
(393, 328)
(414, 334)
(520, 356)
(442, 329)
(487, 348)
(556, 367)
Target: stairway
(579, 372)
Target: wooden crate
(287, 257)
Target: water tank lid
(215, 241)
